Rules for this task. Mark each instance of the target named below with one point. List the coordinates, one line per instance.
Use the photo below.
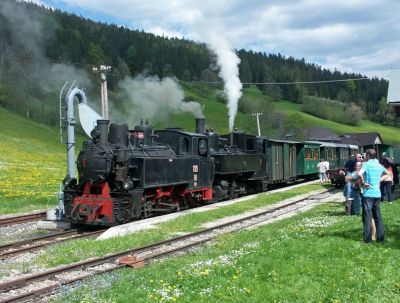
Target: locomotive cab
(142, 135)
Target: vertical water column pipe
(71, 170)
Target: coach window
(332, 154)
(203, 147)
(308, 153)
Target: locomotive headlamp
(128, 184)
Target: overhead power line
(289, 83)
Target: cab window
(184, 146)
(203, 147)
(250, 144)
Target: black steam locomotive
(128, 174)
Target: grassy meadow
(32, 164)
(317, 256)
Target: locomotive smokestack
(200, 122)
(103, 129)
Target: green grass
(317, 256)
(32, 164)
(389, 135)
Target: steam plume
(228, 62)
(208, 27)
(154, 99)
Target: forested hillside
(41, 48)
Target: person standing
(322, 170)
(326, 163)
(395, 177)
(358, 198)
(370, 174)
(350, 167)
(350, 164)
(354, 179)
(387, 181)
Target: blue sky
(348, 35)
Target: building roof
(362, 139)
(327, 135)
(322, 134)
(346, 139)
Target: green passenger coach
(308, 155)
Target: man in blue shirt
(370, 174)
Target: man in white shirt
(326, 163)
(322, 170)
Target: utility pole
(102, 70)
(258, 122)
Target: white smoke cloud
(228, 61)
(154, 99)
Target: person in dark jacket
(350, 167)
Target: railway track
(28, 245)
(36, 285)
(22, 219)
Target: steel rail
(15, 248)
(22, 219)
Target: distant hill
(40, 49)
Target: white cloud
(351, 35)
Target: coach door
(292, 162)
